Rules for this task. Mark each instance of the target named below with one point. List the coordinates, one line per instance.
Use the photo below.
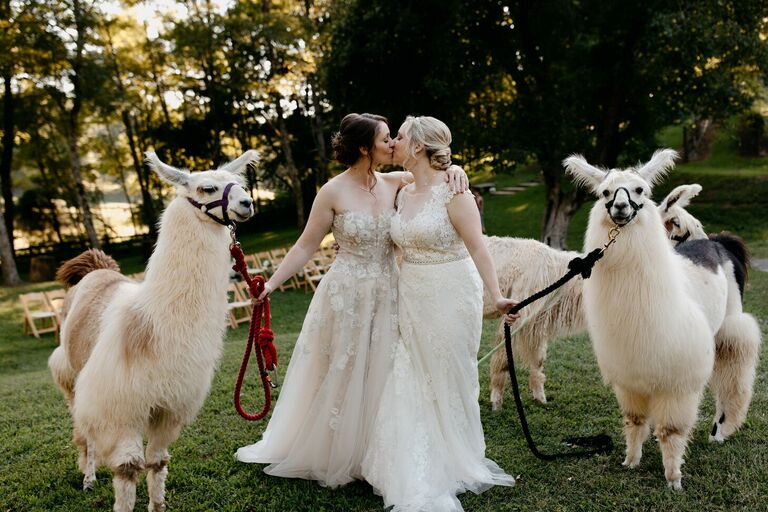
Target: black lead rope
(601, 443)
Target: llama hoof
(540, 397)
(631, 463)
(716, 435)
(88, 482)
(676, 485)
(156, 507)
(495, 406)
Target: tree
(80, 78)
(10, 274)
(25, 43)
(547, 79)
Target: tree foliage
(526, 79)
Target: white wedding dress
(427, 445)
(324, 413)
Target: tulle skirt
(324, 413)
(427, 445)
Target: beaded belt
(436, 260)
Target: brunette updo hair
(434, 135)
(355, 131)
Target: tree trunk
(561, 206)
(7, 156)
(321, 175)
(73, 125)
(10, 273)
(123, 185)
(291, 171)
(51, 204)
(82, 198)
(696, 139)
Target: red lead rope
(266, 354)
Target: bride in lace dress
(325, 410)
(427, 443)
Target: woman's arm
(465, 217)
(318, 225)
(457, 179)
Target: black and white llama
(664, 321)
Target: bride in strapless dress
(325, 411)
(427, 443)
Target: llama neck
(187, 274)
(641, 252)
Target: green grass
(38, 470)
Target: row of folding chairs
(42, 310)
(266, 263)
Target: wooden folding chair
(277, 256)
(55, 300)
(238, 304)
(329, 254)
(259, 263)
(39, 317)
(313, 273)
(317, 267)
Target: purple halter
(223, 202)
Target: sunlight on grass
(520, 208)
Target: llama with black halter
(664, 321)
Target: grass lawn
(39, 470)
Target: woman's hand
(457, 179)
(503, 306)
(264, 294)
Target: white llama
(653, 313)
(525, 266)
(138, 359)
(681, 225)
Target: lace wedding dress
(427, 444)
(325, 410)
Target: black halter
(681, 238)
(223, 202)
(635, 207)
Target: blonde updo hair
(434, 135)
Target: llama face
(623, 192)
(220, 193)
(680, 224)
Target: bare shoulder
(391, 177)
(330, 191)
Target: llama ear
(584, 173)
(662, 161)
(167, 172)
(240, 164)
(681, 196)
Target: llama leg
(737, 348)
(127, 463)
(536, 377)
(675, 417)
(498, 378)
(90, 466)
(634, 409)
(163, 431)
(86, 458)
